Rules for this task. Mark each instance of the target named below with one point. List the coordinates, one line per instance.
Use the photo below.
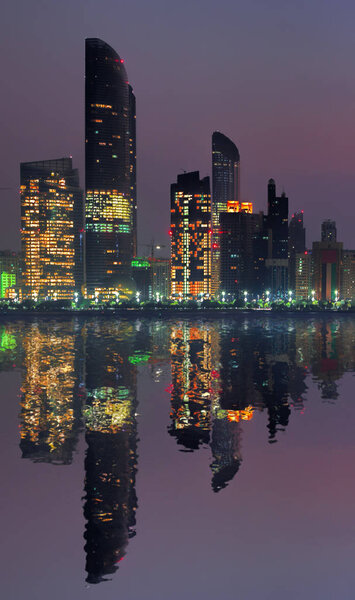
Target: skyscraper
(52, 234)
(225, 188)
(110, 169)
(296, 245)
(237, 232)
(327, 258)
(277, 224)
(191, 236)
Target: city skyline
(283, 133)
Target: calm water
(160, 460)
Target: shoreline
(159, 313)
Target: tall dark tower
(133, 163)
(277, 224)
(225, 188)
(278, 221)
(110, 168)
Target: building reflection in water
(197, 418)
(79, 374)
(111, 436)
(52, 391)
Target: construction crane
(152, 247)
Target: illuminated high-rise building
(303, 275)
(52, 229)
(296, 244)
(110, 169)
(191, 237)
(225, 188)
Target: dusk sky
(275, 76)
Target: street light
(245, 297)
(137, 296)
(336, 295)
(223, 296)
(313, 295)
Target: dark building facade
(277, 224)
(191, 236)
(52, 230)
(237, 233)
(328, 231)
(225, 188)
(110, 168)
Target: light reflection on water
(80, 376)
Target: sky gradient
(274, 75)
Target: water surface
(180, 458)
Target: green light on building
(7, 280)
(141, 263)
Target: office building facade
(52, 230)
(237, 233)
(191, 237)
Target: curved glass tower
(225, 188)
(110, 169)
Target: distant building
(296, 245)
(303, 275)
(160, 277)
(110, 171)
(348, 275)
(52, 229)
(191, 237)
(225, 188)
(327, 264)
(260, 277)
(142, 276)
(237, 232)
(328, 231)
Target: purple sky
(274, 75)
